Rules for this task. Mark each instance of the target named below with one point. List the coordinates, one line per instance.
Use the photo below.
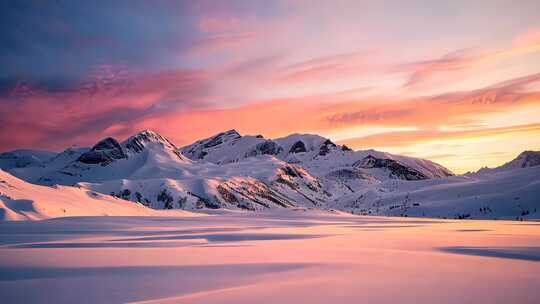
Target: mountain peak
(137, 142)
(149, 134)
(225, 136)
(232, 132)
(211, 142)
(524, 160)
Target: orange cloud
(408, 138)
(531, 37)
(458, 108)
(322, 114)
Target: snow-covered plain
(273, 256)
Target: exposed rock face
(527, 159)
(397, 170)
(198, 150)
(227, 195)
(298, 178)
(345, 148)
(258, 193)
(267, 147)
(298, 147)
(167, 199)
(103, 153)
(326, 147)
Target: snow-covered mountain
(144, 155)
(149, 169)
(525, 159)
(32, 173)
(24, 158)
(20, 200)
(229, 170)
(313, 152)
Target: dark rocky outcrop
(292, 171)
(266, 147)
(167, 199)
(103, 153)
(326, 147)
(226, 195)
(298, 147)
(397, 170)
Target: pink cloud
(176, 104)
(420, 71)
(530, 37)
(58, 119)
(327, 67)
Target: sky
(457, 82)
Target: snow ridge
(234, 171)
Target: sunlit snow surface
(279, 256)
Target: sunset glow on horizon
(457, 83)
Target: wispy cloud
(408, 138)
(464, 59)
(325, 67)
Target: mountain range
(234, 171)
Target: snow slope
(20, 200)
(32, 173)
(254, 184)
(511, 194)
